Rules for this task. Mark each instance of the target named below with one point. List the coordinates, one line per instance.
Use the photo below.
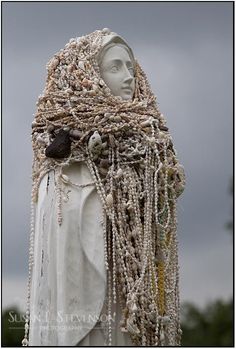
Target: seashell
(34, 124)
(92, 93)
(81, 65)
(162, 135)
(142, 299)
(134, 306)
(95, 157)
(162, 336)
(41, 140)
(48, 104)
(160, 257)
(145, 123)
(180, 332)
(117, 118)
(104, 145)
(69, 90)
(112, 117)
(171, 171)
(70, 68)
(61, 112)
(54, 63)
(94, 88)
(25, 342)
(163, 128)
(103, 171)
(60, 85)
(134, 233)
(50, 128)
(119, 173)
(152, 140)
(112, 141)
(106, 30)
(151, 306)
(127, 203)
(95, 143)
(97, 118)
(152, 316)
(109, 200)
(130, 208)
(65, 178)
(132, 328)
(105, 163)
(75, 134)
(74, 99)
(122, 147)
(86, 83)
(105, 152)
(123, 329)
(165, 319)
(107, 115)
(180, 170)
(107, 90)
(96, 81)
(78, 87)
(87, 65)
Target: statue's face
(117, 71)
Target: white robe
(69, 276)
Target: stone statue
(103, 221)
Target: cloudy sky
(186, 50)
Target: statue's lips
(127, 89)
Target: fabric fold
(69, 277)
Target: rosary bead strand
(25, 341)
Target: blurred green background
(212, 326)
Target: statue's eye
(114, 69)
(131, 70)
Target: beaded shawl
(130, 155)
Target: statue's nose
(128, 79)
(128, 76)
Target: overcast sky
(186, 51)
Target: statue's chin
(127, 97)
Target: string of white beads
(25, 341)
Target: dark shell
(60, 147)
(163, 128)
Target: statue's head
(98, 66)
(116, 63)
